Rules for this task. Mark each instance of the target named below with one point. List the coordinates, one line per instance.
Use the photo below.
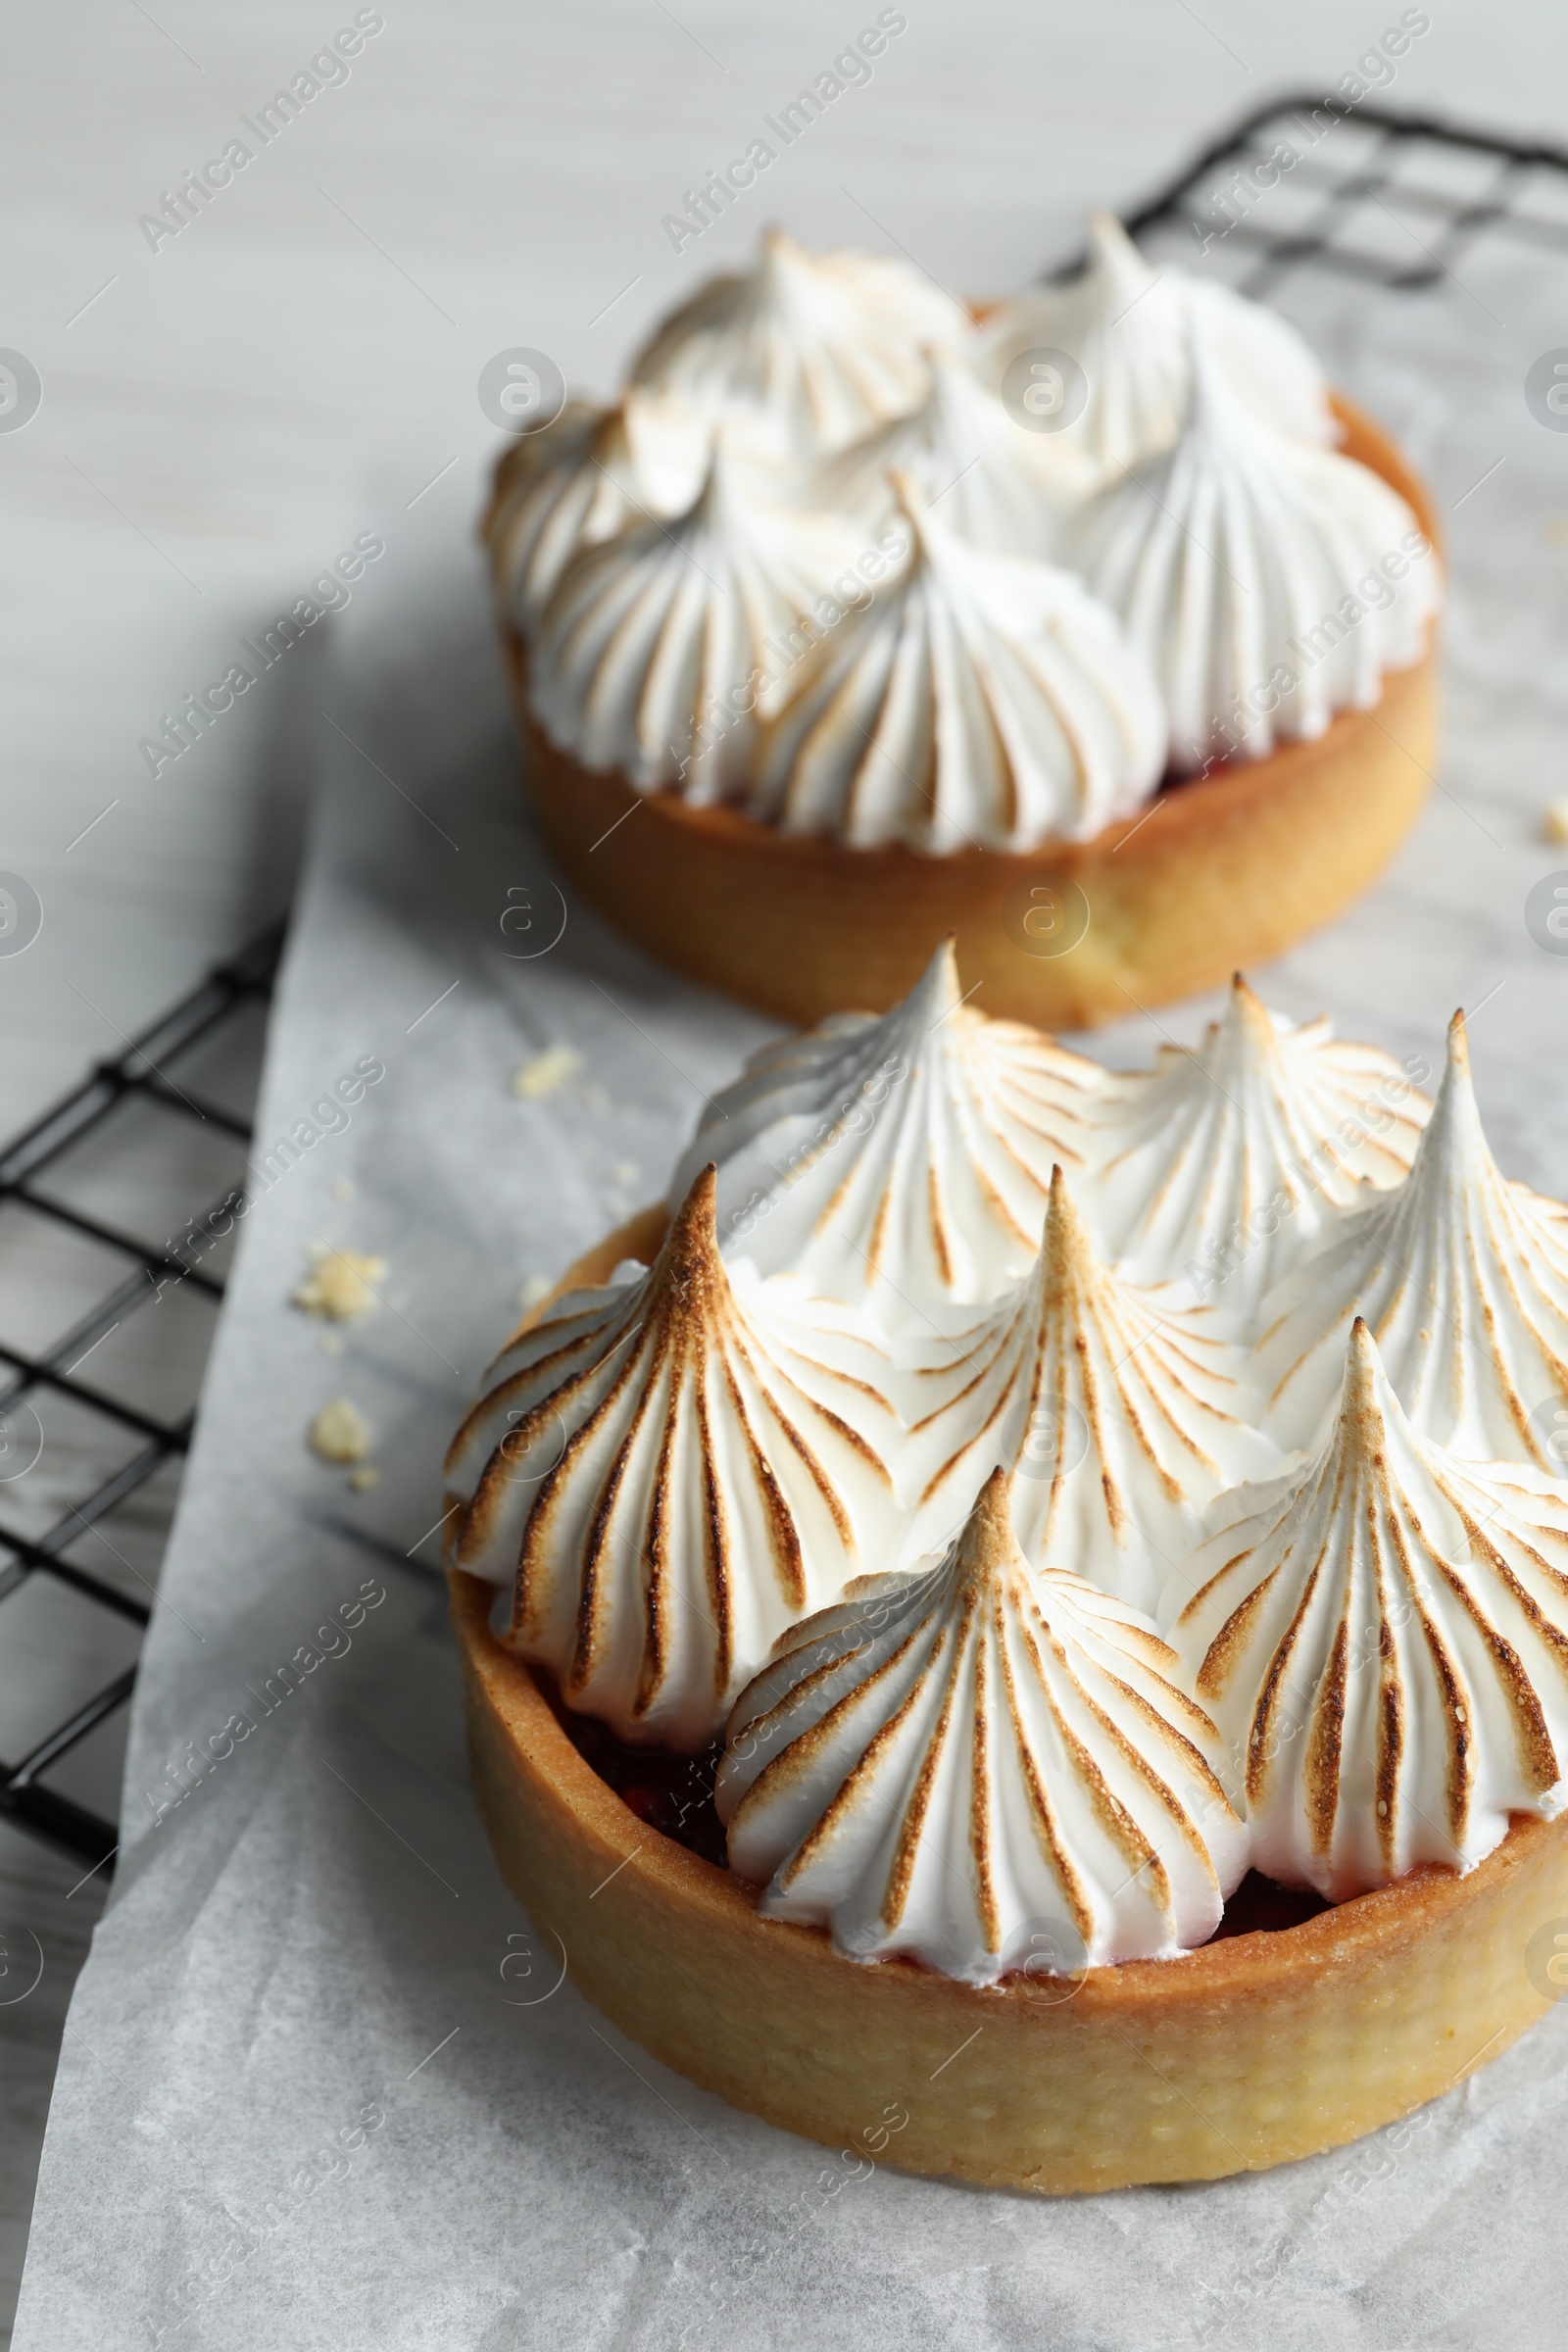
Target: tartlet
(1147, 1613)
(764, 881)
(1254, 2051)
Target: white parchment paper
(320, 2085)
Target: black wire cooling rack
(1262, 219)
(51, 1403)
(1261, 222)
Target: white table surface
(298, 366)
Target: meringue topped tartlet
(1061, 1564)
(1090, 625)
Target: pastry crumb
(342, 1190)
(340, 1286)
(544, 1073)
(329, 1344)
(1554, 821)
(536, 1287)
(1557, 529)
(340, 1433)
(624, 1172)
(364, 1476)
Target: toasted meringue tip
(985, 1545)
(1247, 1007)
(696, 1217)
(1062, 1220)
(777, 249)
(939, 982)
(1106, 233)
(991, 1504)
(1363, 1366)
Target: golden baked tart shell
(1259, 2049)
(1225, 871)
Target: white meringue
(896, 1163)
(983, 1756)
(1384, 1641)
(939, 1767)
(964, 453)
(1224, 1167)
(1121, 1416)
(1464, 1278)
(982, 701)
(808, 349)
(659, 651)
(583, 479)
(1266, 582)
(669, 1473)
(1126, 324)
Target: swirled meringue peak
(659, 651)
(1225, 1166)
(1120, 1416)
(1464, 1278)
(669, 1473)
(582, 481)
(962, 451)
(894, 1162)
(1126, 326)
(1267, 582)
(981, 701)
(1383, 1643)
(809, 350)
(984, 1767)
